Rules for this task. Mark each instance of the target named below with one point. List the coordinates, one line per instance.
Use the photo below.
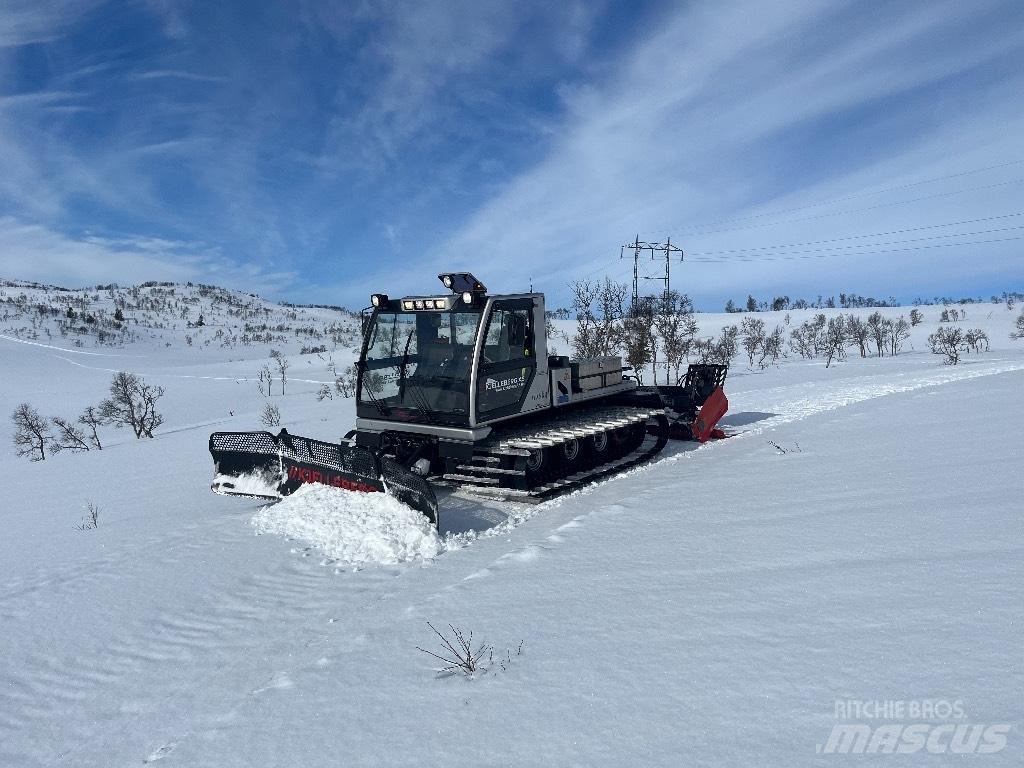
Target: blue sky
(318, 151)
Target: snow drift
(351, 527)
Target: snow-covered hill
(858, 539)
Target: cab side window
(509, 336)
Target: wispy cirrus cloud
(762, 106)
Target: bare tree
(92, 419)
(899, 331)
(877, 328)
(857, 332)
(282, 368)
(345, 384)
(721, 350)
(266, 379)
(751, 337)
(677, 329)
(771, 348)
(638, 337)
(69, 437)
(916, 318)
(834, 339)
(584, 295)
(976, 340)
(132, 403)
(270, 416)
(31, 432)
(948, 342)
(324, 393)
(1019, 334)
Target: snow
(351, 527)
(707, 609)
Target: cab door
(508, 363)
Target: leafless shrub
(976, 340)
(721, 350)
(771, 348)
(345, 384)
(948, 342)
(857, 332)
(600, 309)
(751, 337)
(795, 449)
(834, 340)
(876, 325)
(1019, 333)
(324, 393)
(458, 654)
(638, 337)
(916, 318)
(92, 419)
(282, 368)
(677, 328)
(898, 331)
(270, 416)
(91, 521)
(31, 432)
(68, 438)
(807, 339)
(132, 403)
(264, 380)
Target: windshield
(418, 365)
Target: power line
(861, 237)
(740, 256)
(832, 201)
(860, 210)
(824, 254)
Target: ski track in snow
(60, 349)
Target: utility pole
(638, 246)
(668, 249)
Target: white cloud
(34, 252)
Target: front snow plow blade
(263, 465)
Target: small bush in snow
(91, 521)
(1019, 334)
(458, 654)
(953, 342)
(324, 393)
(916, 318)
(345, 385)
(31, 432)
(271, 416)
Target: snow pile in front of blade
(351, 527)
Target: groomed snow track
(531, 464)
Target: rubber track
(579, 425)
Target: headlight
(407, 305)
(440, 304)
(467, 297)
(379, 299)
(447, 280)
(418, 304)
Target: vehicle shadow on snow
(461, 514)
(744, 418)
